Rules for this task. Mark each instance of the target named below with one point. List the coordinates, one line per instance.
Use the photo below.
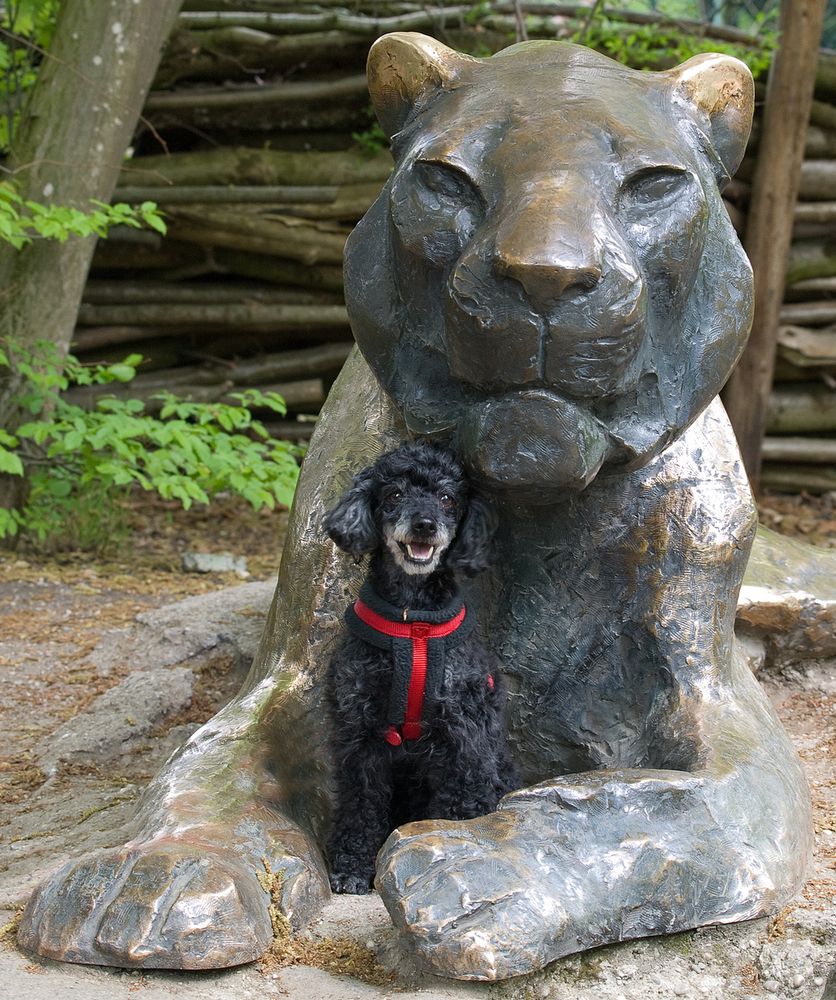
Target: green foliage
(80, 464)
(21, 220)
(26, 28)
(655, 46)
(373, 139)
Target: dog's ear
(350, 524)
(470, 551)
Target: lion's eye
(444, 180)
(655, 186)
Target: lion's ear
(722, 91)
(402, 68)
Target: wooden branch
(800, 409)
(786, 372)
(807, 348)
(301, 394)
(799, 449)
(808, 313)
(277, 270)
(811, 259)
(278, 367)
(826, 74)
(243, 165)
(100, 337)
(792, 478)
(290, 430)
(814, 287)
(820, 143)
(242, 53)
(227, 194)
(815, 211)
(818, 178)
(351, 205)
(276, 236)
(250, 315)
(119, 292)
(342, 20)
(769, 227)
(349, 201)
(293, 364)
(823, 114)
(270, 96)
(112, 256)
(280, 22)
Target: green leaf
(10, 463)
(122, 372)
(8, 523)
(60, 487)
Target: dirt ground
(55, 608)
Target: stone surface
(97, 764)
(788, 600)
(714, 963)
(710, 964)
(214, 562)
(118, 719)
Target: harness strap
(418, 634)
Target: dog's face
(416, 504)
(417, 520)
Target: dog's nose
(423, 526)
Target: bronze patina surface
(550, 280)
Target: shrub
(79, 463)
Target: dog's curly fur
(415, 513)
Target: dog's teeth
(424, 553)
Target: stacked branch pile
(258, 144)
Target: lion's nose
(547, 280)
(550, 245)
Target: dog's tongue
(420, 551)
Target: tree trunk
(769, 230)
(67, 149)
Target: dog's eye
(447, 502)
(392, 498)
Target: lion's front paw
(472, 903)
(167, 906)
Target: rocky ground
(108, 663)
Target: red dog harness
(418, 648)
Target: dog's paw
(354, 885)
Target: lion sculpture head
(550, 276)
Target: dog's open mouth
(417, 552)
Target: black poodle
(416, 701)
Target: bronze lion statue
(549, 282)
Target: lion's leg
(607, 855)
(247, 789)
(601, 857)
